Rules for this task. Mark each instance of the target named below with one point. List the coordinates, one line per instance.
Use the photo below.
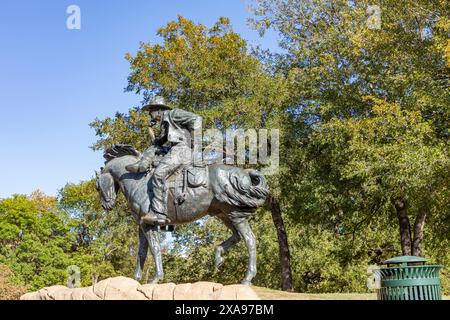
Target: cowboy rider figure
(177, 130)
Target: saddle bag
(192, 177)
(197, 176)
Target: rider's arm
(186, 119)
(162, 137)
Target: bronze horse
(229, 193)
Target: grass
(270, 294)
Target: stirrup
(155, 218)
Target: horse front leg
(142, 254)
(152, 235)
(246, 233)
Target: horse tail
(258, 188)
(246, 189)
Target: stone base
(122, 288)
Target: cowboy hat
(157, 104)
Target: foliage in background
(9, 288)
(106, 242)
(35, 239)
(209, 71)
(371, 118)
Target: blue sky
(54, 81)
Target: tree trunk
(285, 256)
(405, 227)
(418, 231)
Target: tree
(334, 59)
(10, 289)
(35, 239)
(132, 128)
(210, 71)
(389, 155)
(105, 242)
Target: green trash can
(409, 279)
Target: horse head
(107, 188)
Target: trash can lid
(405, 259)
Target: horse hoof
(219, 262)
(246, 282)
(155, 280)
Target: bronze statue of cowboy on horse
(151, 183)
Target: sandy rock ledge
(122, 288)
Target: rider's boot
(155, 218)
(142, 165)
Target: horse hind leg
(227, 244)
(245, 232)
